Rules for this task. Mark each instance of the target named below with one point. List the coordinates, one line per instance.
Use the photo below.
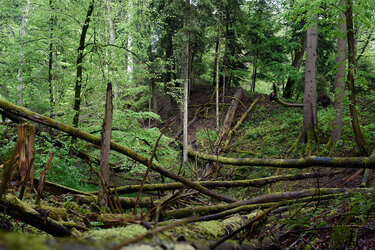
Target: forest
(187, 124)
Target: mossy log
(126, 202)
(201, 233)
(276, 98)
(75, 132)
(19, 210)
(253, 203)
(311, 161)
(260, 182)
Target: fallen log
(75, 132)
(274, 97)
(311, 161)
(17, 209)
(126, 202)
(260, 182)
(212, 168)
(253, 203)
(57, 189)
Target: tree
(340, 78)
(350, 78)
(185, 77)
(80, 56)
(310, 119)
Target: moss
(56, 213)
(108, 217)
(16, 202)
(73, 206)
(20, 241)
(213, 229)
(116, 235)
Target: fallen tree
(311, 161)
(214, 212)
(20, 211)
(75, 132)
(260, 182)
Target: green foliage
(65, 170)
(206, 137)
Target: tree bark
(105, 146)
(18, 210)
(340, 79)
(261, 182)
(185, 76)
(30, 115)
(50, 63)
(255, 203)
(350, 79)
(24, 20)
(310, 118)
(218, 71)
(312, 161)
(80, 56)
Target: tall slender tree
(340, 78)
(310, 118)
(80, 56)
(350, 78)
(185, 76)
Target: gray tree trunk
(24, 19)
(185, 75)
(340, 78)
(105, 146)
(217, 72)
(310, 118)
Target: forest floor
(344, 222)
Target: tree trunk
(310, 118)
(185, 75)
(26, 157)
(261, 182)
(254, 76)
(217, 71)
(50, 63)
(351, 72)
(313, 161)
(106, 147)
(340, 79)
(80, 50)
(24, 19)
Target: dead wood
(247, 225)
(126, 202)
(146, 173)
(275, 97)
(238, 124)
(260, 182)
(105, 147)
(153, 232)
(42, 179)
(253, 203)
(57, 189)
(75, 132)
(15, 208)
(311, 161)
(211, 168)
(26, 156)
